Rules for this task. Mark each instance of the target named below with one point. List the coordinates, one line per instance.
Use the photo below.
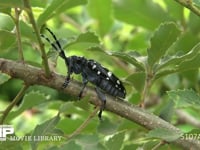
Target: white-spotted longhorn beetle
(91, 71)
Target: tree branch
(188, 4)
(32, 75)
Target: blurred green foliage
(151, 45)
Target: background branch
(188, 4)
(32, 75)
(41, 45)
(13, 103)
(84, 124)
(18, 34)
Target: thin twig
(13, 103)
(161, 143)
(146, 89)
(84, 124)
(188, 4)
(18, 34)
(41, 45)
(184, 117)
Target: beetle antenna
(56, 46)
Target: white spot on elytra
(116, 86)
(98, 72)
(94, 66)
(118, 82)
(107, 78)
(109, 74)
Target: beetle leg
(102, 97)
(65, 84)
(85, 81)
(68, 62)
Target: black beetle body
(91, 71)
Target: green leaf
(143, 13)
(167, 111)
(172, 81)
(57, 131)
(194, 134)
(49, 11)
(128, 58)
(70, 4)
(5, 10)
(175, 11)
(6, 22)
(164, 73)
(106, 127)
(131, 147)
(183, 45)
(56, 7)
(8, 41)
(191, 75)
(27, 31)
(87, 138)
(196, 2)
(101, 10)
(184, 98)
(11, 145)
(194, 23)
(88, 141)
(189, 64)
(83, 103)
(70, 122)
(162, 39)
(165, 134)
(12, 3)
(185, 65)
(30, 100)
(84, 41)
(4, 77)
(175, 60)
(70, 145)
(44, 129)
(68, 107)
(64, 107)
(53, 55)
(137, 80)
(98, 49)
(116, 141)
